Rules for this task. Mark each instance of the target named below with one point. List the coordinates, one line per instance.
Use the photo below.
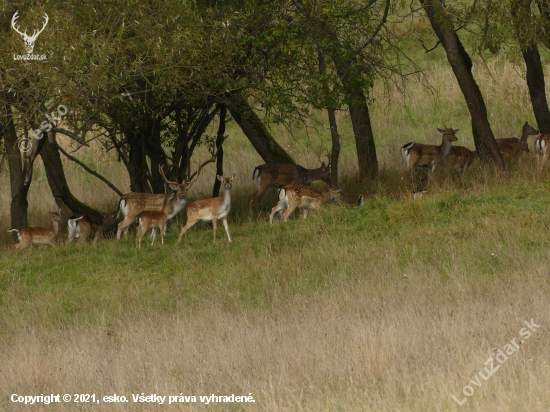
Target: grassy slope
(309, 315)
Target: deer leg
(256, 196)
(304, 213)
(214, 223)
(124, 225)
(288, 211)
(277, 209)
(162, 233)
(154, 235)
(224, 221)
(188, 226)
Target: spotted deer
(460, 158)
(82, 225)
(153, 220)
(38, 235)
(306, 197)
(132, 204)
(425, 155)
(211, 209)
(280, 175)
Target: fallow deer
(306, 197)
(460, 158)
(211, 209)
(541, 149)
(361, 199)
(31, 235)
(280, 175)
(82, 225)
(132, 204)
(511, 148)
(424, 155)
(420, 188)
(146, 220)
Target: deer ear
(457, 130)
(220, 178)
(234, 176)
(439, 130)
(175, 187)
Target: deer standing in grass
(31, 235)
(306, 197)
(460, 158)
(82, 225)
(511, 148)
(211, 209)
(425, 155)
(280, 175)
(153, 220)
(132, 204)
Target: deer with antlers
(426, 155)
(211, 209)
(305, 197)
(29, 40)
(132, 204)
(280, 175)
(38, 235)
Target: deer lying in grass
(153, 220)
(460, 158)
(132, 204)
(31, 235)
(280, 175)
(511, 148)
(82, 225)
(306, 197)
(211, 209)
(424, 155)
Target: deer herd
(153, 211)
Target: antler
(319, 152)
(35, 35)
(161, 170)
(198, 172)
(15, 16)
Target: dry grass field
(396, 306)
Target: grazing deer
(39, 234)
(82, 225)
(280, 175)
(132, 204)
(146, 220)
(425, 155)
(306, 197)
(211, 209)
(460, 158)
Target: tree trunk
(521, 14)
(135, 160)
(360, 118)
(461, 64)
(536, 84)
(18, 186)
(57, 180)
(335, 152)
(256, 132)
(219, 148)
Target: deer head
(29, 40)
